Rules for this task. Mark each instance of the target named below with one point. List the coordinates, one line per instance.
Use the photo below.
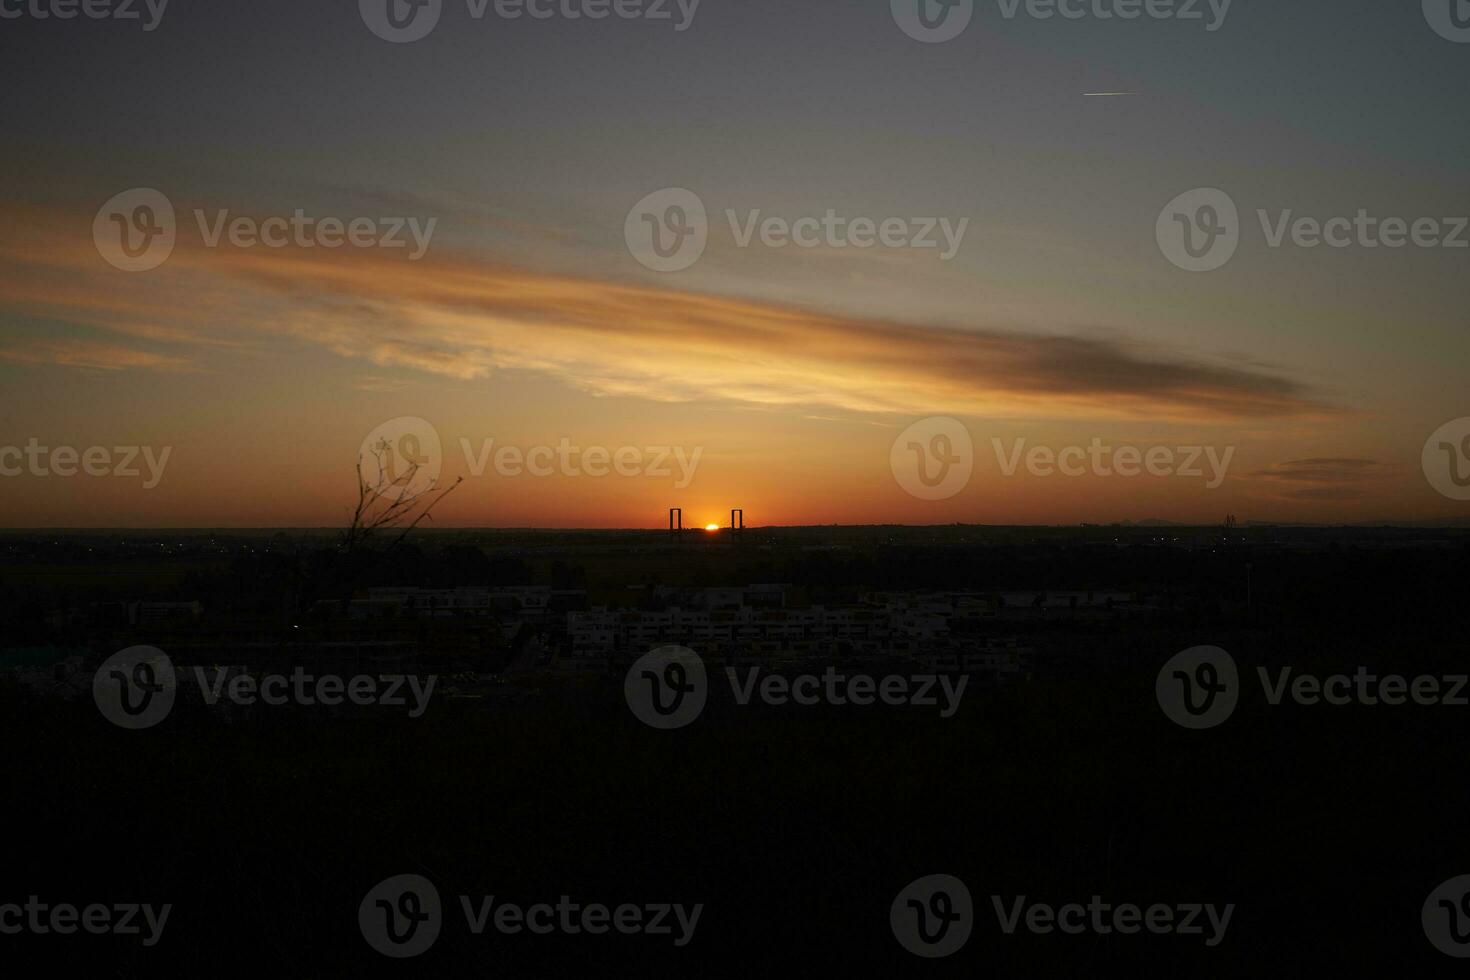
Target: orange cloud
(461, 317)
(1335, 479)
(91, 354)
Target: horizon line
(1456, 524)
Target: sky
(807, 384)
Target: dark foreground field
(1326, 827)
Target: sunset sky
(791, 370)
